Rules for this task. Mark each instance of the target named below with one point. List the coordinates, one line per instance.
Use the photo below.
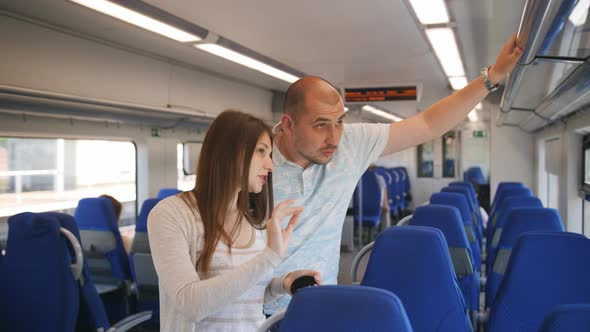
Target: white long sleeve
(176, 239)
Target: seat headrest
(96, 214)
(345, 308)
(445, 218)
(520, 220)
(453, 199)
(167, 192)
(414, 263)
(146, 208)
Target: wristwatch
(486, 80)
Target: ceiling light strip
(430, 11)
(148, 17)
(383, 114)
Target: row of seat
(115, 275)
(368, 206)
(45, 281)
(414, 265)
(449, 213)
(110, 266)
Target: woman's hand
(288, 281)
(277, 238)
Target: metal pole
(360, 211)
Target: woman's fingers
(292, 223)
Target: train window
(426, 160)
(187, 157)
(449, 141)
(38, 174)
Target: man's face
(317, 130)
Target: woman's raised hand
(278, 238)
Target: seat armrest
(131, 321)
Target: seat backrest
(37, 287)
(101, 240)
(509, 192)
(448, 220)
(92, 315)
(407, 179)
(167, 192)
(470, 189)
(371, 196)
(414, 263)
(505, 185)
(345, 308)
(499, 218)
(567, 317)
(142, 264)
(519, 221)
(141, 243)
(460, 202)
(509, 203)
(544, 271)
(473, 207)
(474, 175)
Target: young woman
(213, 259)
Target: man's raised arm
(450, 111)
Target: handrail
(77, 266)
(534, 24)
(357, 260)
(271, 321)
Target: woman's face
(261, 164)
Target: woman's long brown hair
(223, 169)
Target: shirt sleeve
(177, 277)
(366, 142)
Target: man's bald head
(309, 89)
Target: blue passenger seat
(107, 260)
(448, 220)
(567, 318)
(167, 192)
(460, 202)
(415, 264)
(37, 287)
(344, 309)
(518, 222)
(47, 245)
(545, 270)
(370, 214)
(499, 219)
(142, 265)
(473, 207)
(101, 240)
(474, 175)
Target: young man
(318, 162)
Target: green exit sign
(479, 133)
(155, 132)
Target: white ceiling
(351, 43)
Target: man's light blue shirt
(325, 192)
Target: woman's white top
(230, 298)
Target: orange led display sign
(380, 94)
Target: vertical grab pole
(360, 211)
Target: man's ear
(287, 123)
